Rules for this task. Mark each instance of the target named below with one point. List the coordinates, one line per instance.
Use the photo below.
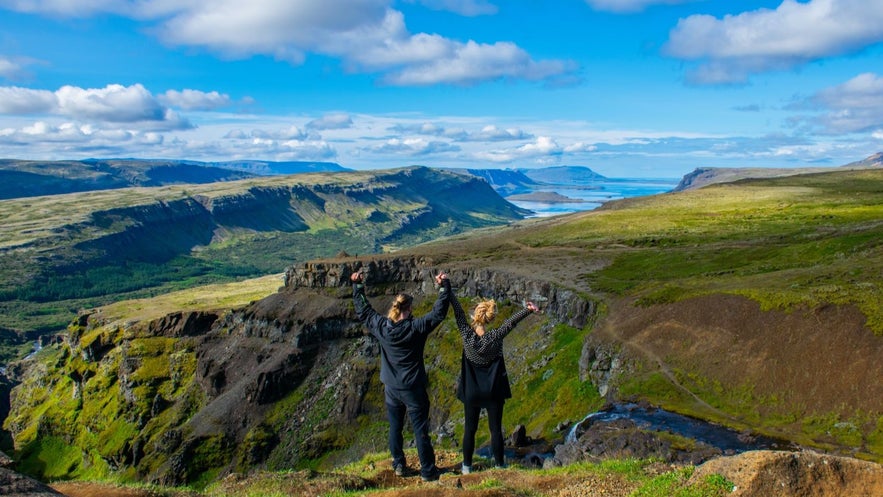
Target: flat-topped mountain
(29, 178)
(521, 181)
(563, 175)
(705, 176)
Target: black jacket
(401, 343)
(483, 375)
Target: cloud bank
(731, 49)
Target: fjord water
(591, 195)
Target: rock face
(271, 384)
(795, 474)
(394, 274)
(16, 484)
(291, 377)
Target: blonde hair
(401, 304)
(484, 313)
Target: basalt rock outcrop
(286, 379)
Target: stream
(647, 419)
(657, 419)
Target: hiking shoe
(465, 470)
(433, 474)
(399, 469)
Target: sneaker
(399, 469)
(433, 475)
(465, 470)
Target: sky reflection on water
(593, 195)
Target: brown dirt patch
(811, 360)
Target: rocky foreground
(752, 474)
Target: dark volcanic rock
(16, 484)
(623, 439)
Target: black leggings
(495, 423)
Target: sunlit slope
(758, 304)
(810, 240)
(799, 240)
(61, 253)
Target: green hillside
(63, 253)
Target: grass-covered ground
(372, 476)
(756, 304)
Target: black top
(483, 376)
(401, 343)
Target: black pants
(495, 423)
(416, 403)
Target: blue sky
(630, 88)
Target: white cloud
(68, 8)
(493, 133)
(15, 100)
(622, 6)
(413, 147)
(855, 106)
(13, 68)
(195, 99)
(366, 35)
(331, 121)
(470, 63)
(66, 138)
(290, 133)
(541, 148)
(282, 143)
(730, 49)
(117, 104)
(111, 104)
(469, 8)
(580, 147)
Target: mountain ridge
(704, 176)
(32, 178)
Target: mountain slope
(64, 252)
(755, 305)
(705, 176)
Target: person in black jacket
(402, 339)
(484, 382)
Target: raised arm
(364, 311)
(509, 324)
(460, 316)
(430, 321)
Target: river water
(656, 419)
(591, 195)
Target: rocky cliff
(271, 385)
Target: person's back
(484, 382)
(402, 345)
(402, 340)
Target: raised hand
(532, 307)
